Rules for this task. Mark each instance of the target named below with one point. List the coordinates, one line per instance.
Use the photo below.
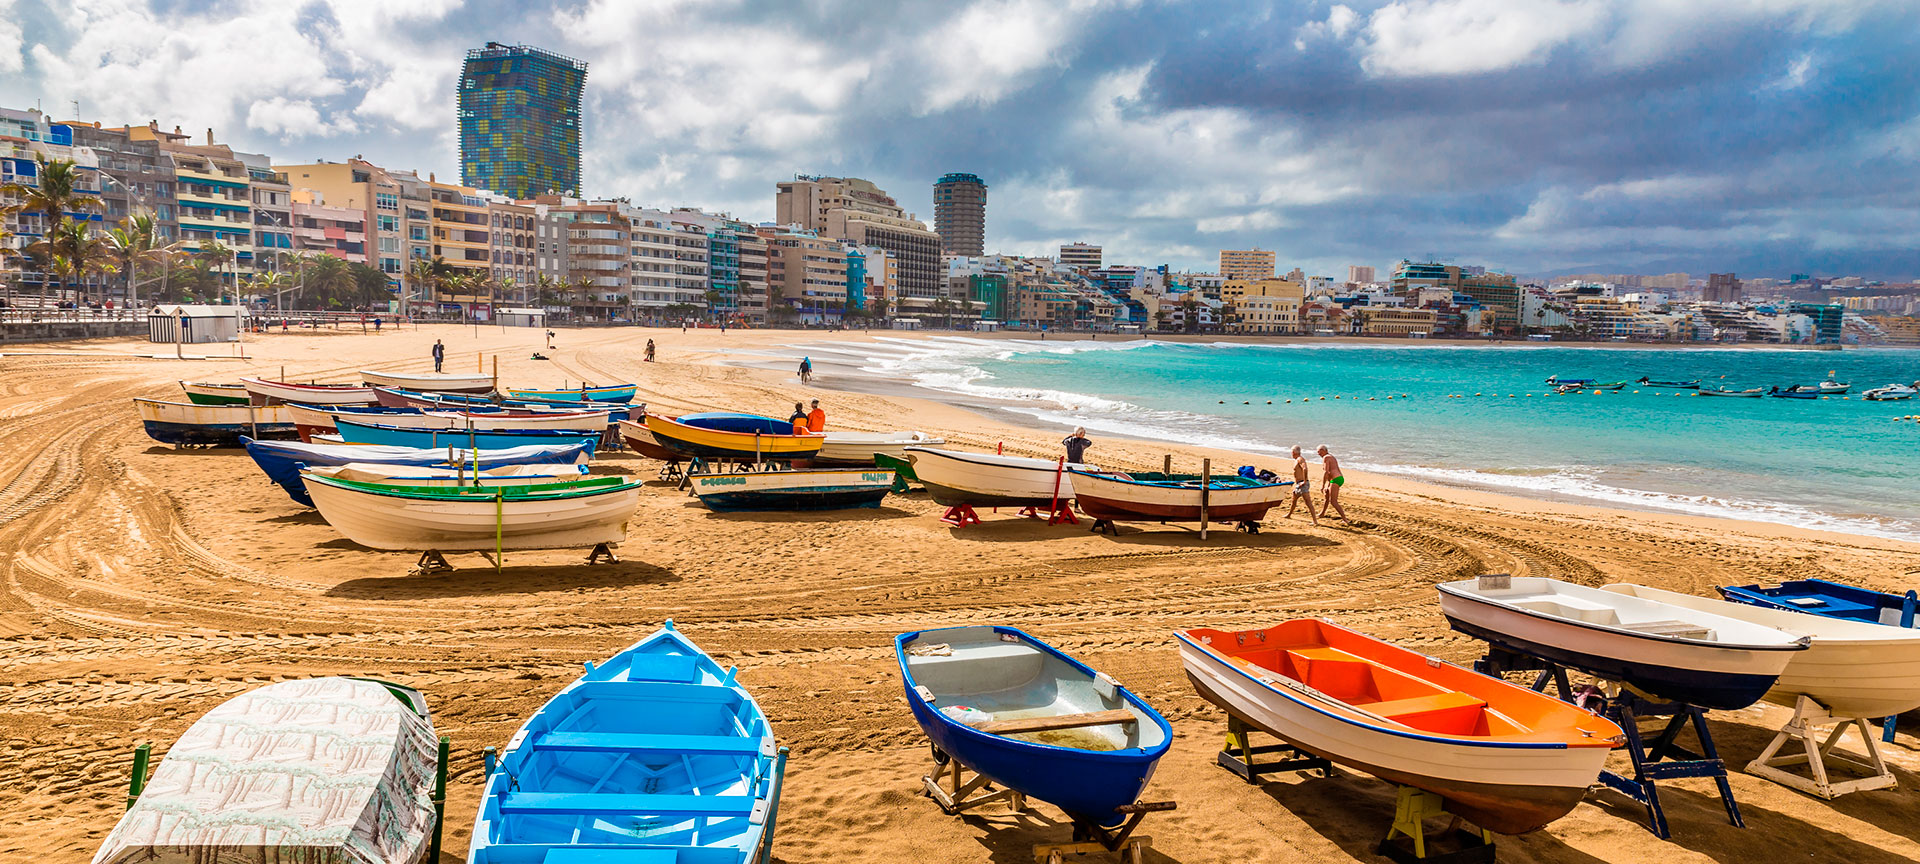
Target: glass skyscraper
(520, 120)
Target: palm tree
(421, 276)
(267, 284)
(54, 195)
(330, 278)
(72, 252)
(130, 244)
(7, 250)
(370, 286)
(217, 254)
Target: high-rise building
(1497, 292)
(960, 214)
(1721, 288)
(1080, 256)
(807, 274)
(520, 121)
(1250, 265)
(1359, 274)
(849, 208)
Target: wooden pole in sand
(1206, 480)
(1166, 464)
(496, 372)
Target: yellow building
(1262, 305)
(1247, 264)
(1901, 330)
(1395, 321)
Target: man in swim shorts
(1332, 480)
(1302, 487)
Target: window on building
(386, 201)
(389, 244)
(390, 265)
(388, 223)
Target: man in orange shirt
(816, 419)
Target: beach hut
(180, 322)
(523, 317)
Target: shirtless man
(1302, 487)
(1331, 480)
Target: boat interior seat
(976, 667)
(625, 804)
(1418, 706)
(548, 853)
(1575, 608)
(1351, 679)
(634, 742)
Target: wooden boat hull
(184, 423)
(1830, 599)
(640, 440)
(1108, 496)
(393, 519)
(409, 475)
(1029, 678)
(1508, 790)
(264, 392)
(1709, 674)
(282, 460)
(655, 755)
(319, 769)
(1672, 385)
(429, 382)
(355, 432)
(988, 480)
(693, 441)
(1853, 668)
(851, 449)
(1738, 394)
(201, 393)
(314, 420)
(834, 489)
(621, 393)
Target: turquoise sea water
(1837, 464)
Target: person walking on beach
(649, 350)
(1302, 487)
(806, 370)
(439, 354)
(1331, 480)
(816, 419)
(1077, 444)
(799, 419)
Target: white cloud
(287, 118)
(1340, 20)
(1414, 38)
(1796, 75)
(986, 50)
(12, 60)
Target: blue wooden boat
(357, 432)
(814, 489)
(1028, 717)
(396, 397)
(282, 460)
(656, 756)
(1830, 599)
(583, 393)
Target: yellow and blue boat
(733, 437)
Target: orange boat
(1506, 758)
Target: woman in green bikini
(1331, 480)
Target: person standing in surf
(1302, 487)
(1331, 480)
(1077, 444)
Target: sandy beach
(145, 585)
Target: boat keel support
(960, 516)
(432, 562)
(956, 800)
(1238, 755)
(1090, 838)
(1809, 717)
(1061, 514)
(1412, 807)
(602, 554)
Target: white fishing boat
(314, 770)
(1890, 393)
(1853, 668)
(429, 382)
(181, 423)
(566, 515)
(858, 448)
(955, 478)
(1666, 651)
(321, 419)
(424, 475)
(277, 392)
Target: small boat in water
(184, 423)
(1831, 387)
(655, 756)
(860, 448)
(1890, 393)
(563, 515)
(1753, 393)
(282, 460)
(1154, 497)
(1613, 385)
(808, 489)
(732, 437)
(1671, 385)
(265, 392)
(583, 393)
(1506, 758)
(955, 478)
(311, 770)
(1794, 392)
(1559, 380)
(1028, 717)
(1853, 668)
(1666, 651)
(1831, 599)
(375, 432)
(429, 382)
(208, 393)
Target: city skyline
(1544, 139)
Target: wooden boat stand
(1660, 759)
(960, 516)
(957, 801)
(602, 554)
(1061, 514)
(1238, 755)
(1412, 807)
(431, 562)
(1809, 717)
(1089, 838)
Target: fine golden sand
(145, 585)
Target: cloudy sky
(1537, 136)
